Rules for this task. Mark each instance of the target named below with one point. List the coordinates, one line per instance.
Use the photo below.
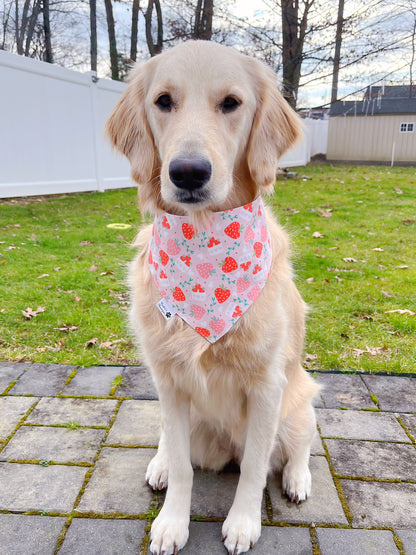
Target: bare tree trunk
(154, 48)
(412, 61)
(294, 31)
(32, 24)
(337, 54)
(290, 50)
(47, 32)
(93, 33)
(112, 40)
(203, 20)
(134, 25)
(21, 31)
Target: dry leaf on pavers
(401, 311)
(29, 313)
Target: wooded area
(341, 46)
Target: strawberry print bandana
(211, 276)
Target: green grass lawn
(353, 236)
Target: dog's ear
(129, 131)
(276, 127)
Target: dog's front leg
(242, 526)
(169, 531)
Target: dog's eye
(164, 102)
(229, 104)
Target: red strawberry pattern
(258, 247)
(203, 331)
(178, 294)
(164, 257)
(233, 230)
(229, 265)
(210, 277)
(222, 294)
(188, 231)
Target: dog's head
(203, 127)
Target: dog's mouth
(192, 197)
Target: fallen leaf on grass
(310, 358)
(317, 235)
(43, 275)
(91, 342)
(29, 313)
(309, 280)
(402, 267)
(366, 317)
(65, 327)
(92, 268)
(57, 269)
(386, 294)
(325, 213)
(372, 351)
(77, 299)
(408, 222)
(107, 273)
(349, 259)
(398, 190)
(110, 344)
(401, 311)
(378, 249)
(86, 243)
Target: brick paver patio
(74, 447)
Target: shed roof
(374, 107)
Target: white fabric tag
(165, 309)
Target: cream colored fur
(245, 397)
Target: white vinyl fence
(51, 131)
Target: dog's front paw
(168, 534)
(157, 472)
(240, 531)
(296, 483)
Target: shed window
(407, 127)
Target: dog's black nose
(190, 173)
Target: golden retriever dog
(203, 127)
